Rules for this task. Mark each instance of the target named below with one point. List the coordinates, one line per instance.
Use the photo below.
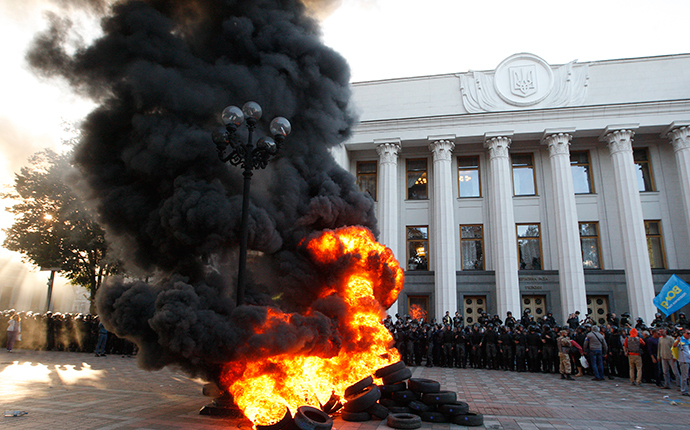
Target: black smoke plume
(162, 72)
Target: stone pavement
(78, 390)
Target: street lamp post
(249, 155)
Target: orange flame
(372, 280)
(416, 312)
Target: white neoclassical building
(532, 186)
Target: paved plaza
(80, 391)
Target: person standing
(665, 357)
(595, 344)
(633, 348)
(14, 329)
(683, 344)
(563, 343)
(102, 339)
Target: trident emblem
(523, 81)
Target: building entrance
(598, 307)
(474, 306)
(418, 307)
(535, 305)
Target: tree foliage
(52, 226)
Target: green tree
(52, 226)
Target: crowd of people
(658, 353)
(60, 332)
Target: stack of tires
(404, 401)
(306, 418)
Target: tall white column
(443, 230)
(680, 138)
(638, 272)
(503, 233)
(388, 204)
(571, 275)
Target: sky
(381, 39)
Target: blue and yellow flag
(674, 295)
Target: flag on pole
(674, 295)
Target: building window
(529, 246)
(645, 181)
(655, 244)
(589, 241)
(418, 248)
(417, 179)
(472, 247)
(523, 175)
(582, 172)
(366, 177)
(468, 177)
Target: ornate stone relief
(558, 143)
(498, 147)
(680, 138)
(524, 81)
(388, 152)
(619, 140)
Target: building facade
(551, 188)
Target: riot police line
(525, 344)
(60, 332)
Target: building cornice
(653, 117)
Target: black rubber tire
(404, 397)
(470, 419)
(389, 403)
(399, 410)
(386, 390)
(379, 411)
(404, 421)
(359, 386)
(331, 408)
(398, 376)
(435, 417)
(355, 417)
(418, 407)
(309, 418)
(361, 401)
(287, 418)
(440, 398)
(420, 385)
(387, 370)
(456, 408)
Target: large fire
(263, 388)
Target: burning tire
(287, 419)
(355, 416)
(403, 397)
(359, 386)
(309, 418)
(470, 419)
(456, 408)
(435, 417)
(397, 376)
(364, 399)
(439, 398)
(387, 370)
(378, 411)
(420, 385)
(404, 421)
(418, 407)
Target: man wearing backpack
(633, 349)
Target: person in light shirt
(683, 344)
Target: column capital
(498, 144)
(442, 149)
(679, 134)
(557, 142)
(388, 150)
(618, 139)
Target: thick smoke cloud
(162, 72)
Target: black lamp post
(249, 155)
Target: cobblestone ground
(76, 390)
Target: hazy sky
(380, 39)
